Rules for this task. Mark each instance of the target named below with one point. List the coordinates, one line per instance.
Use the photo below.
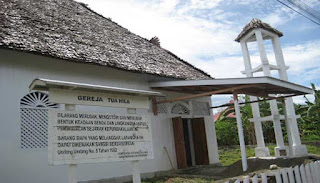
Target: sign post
(135, 172)
(136, 178)
(72, 167)
(72, 173)
(89, 137)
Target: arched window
(194, 108)
(38, 100)
(34, 119)
(180, 108)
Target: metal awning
(266, 87)
(45, 84)
(256, 86)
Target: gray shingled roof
(256, 23)
(71, 31)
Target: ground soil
(234, 170)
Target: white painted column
(292, 120)
(279, 58)
(262, 53)
(240, 133)
(72, 167)
(278, 130)
(211, 137)
(273, 103)
(257, 123)
(297, 148)
(135, 172)
(246, 58)
(261, 150)
(286, 119)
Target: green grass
(313, 149)
(229, 155)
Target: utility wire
(305, 8)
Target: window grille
(162, 108)
(34, 127)
(34, 119)
(201, 108)
(180, 108)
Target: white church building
(65, 45)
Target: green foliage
(311, 138)
(313, 149)
(229, 155)
(227, 133)
(226, 127)
(309, 123)
(268, 132)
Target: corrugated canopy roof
(71, 31)
(256, 86)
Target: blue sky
(202, 32)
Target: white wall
(18, 70)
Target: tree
(226, 125)
(309, 123)
(227, 130)
(310, 117)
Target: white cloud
(206, 39)
(208, 42)
(304, 61)
(279, 16)
(183, 34)
(204, 4)
(223, 67)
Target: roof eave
(46, 84)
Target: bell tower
(258, 31)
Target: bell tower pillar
(258, 31)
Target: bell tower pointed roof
(254, 24)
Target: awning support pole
(240, 133)
(72, 167)
(154, 106)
